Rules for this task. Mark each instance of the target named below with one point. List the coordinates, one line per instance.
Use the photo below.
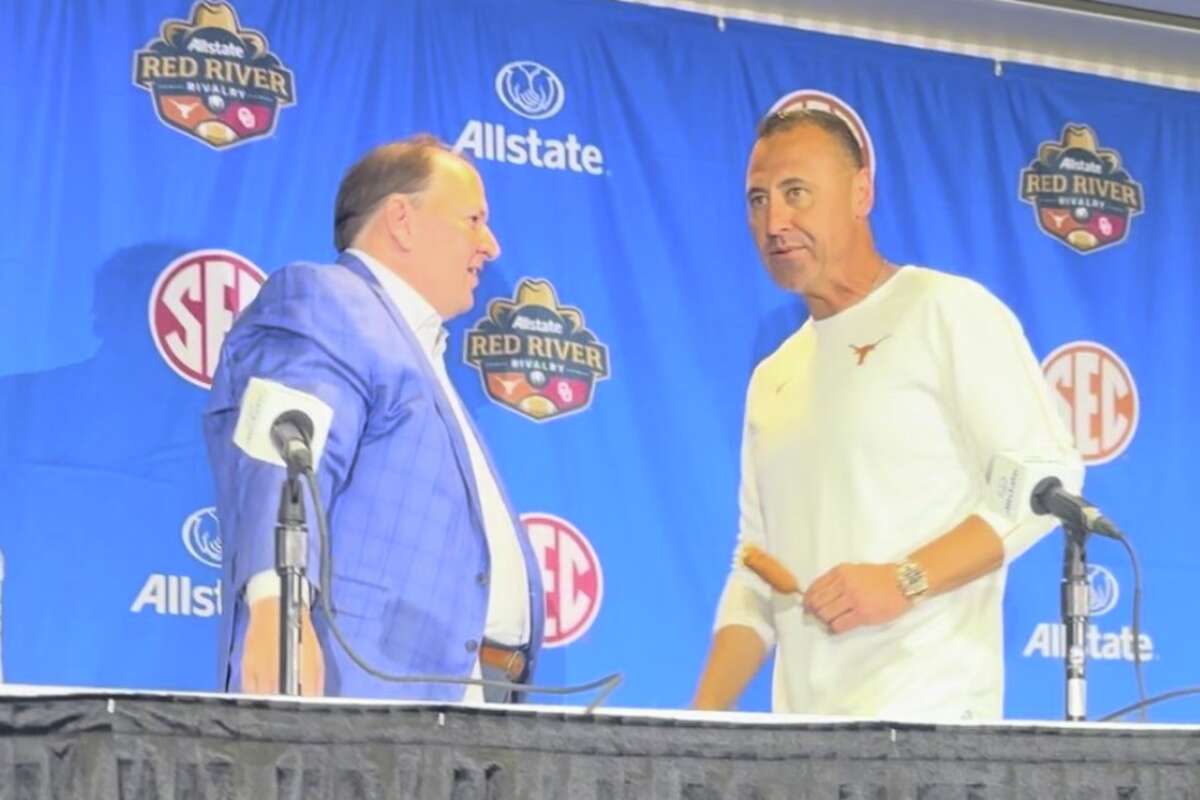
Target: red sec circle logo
(193, 305)
(815, 99)
(571, 575)
(1096, 397)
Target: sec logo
(571, 575)
(1096, 396)
(193, 305)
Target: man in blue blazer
(433, 573)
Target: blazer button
(482, 579)
(472, 645)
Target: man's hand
(852, 595)
(260, 655)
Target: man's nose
(490, 246)
(779, 217)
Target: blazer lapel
(440, 401)
(449, 419)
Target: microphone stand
(291, 559)
(1075, 604)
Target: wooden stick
(765, 566)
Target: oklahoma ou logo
(1096, 397)
(193, 305)
(571, 575)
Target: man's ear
(397, 218)
(862, 192)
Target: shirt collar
(420, 316)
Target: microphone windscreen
(265, 405)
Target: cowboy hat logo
(1081, 194)
(212, 79)
(535, 356)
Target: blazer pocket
(356, 598)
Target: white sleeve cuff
(266, 584)
(1016, 537)
(742, 604)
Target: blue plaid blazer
(410, 559)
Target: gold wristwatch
(912, 580)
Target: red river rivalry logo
(212, 79)
(192, 307)
(571, 576)
(535, 356)
(1080, 193)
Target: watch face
(912, 579)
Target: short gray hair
(790, 118)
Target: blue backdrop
(160, 157)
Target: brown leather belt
(510, 662)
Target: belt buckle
(511, 661)
(514, 666)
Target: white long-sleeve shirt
(867, 435)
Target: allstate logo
(202, 536)
(1103, 591)
(530, 89)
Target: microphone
(291, 434)
(1018, 485)
(281, 425)
(285, 426)
(1049, 497)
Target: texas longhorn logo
(1080, 193)
(534, 356)
(862, 351)
(213, 79)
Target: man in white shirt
(432, 572)
(866, 443)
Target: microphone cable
(1143, 703)
(1155, 700)
(605, 685)
(1137, 623)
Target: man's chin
(466, 305)
(792, 277)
